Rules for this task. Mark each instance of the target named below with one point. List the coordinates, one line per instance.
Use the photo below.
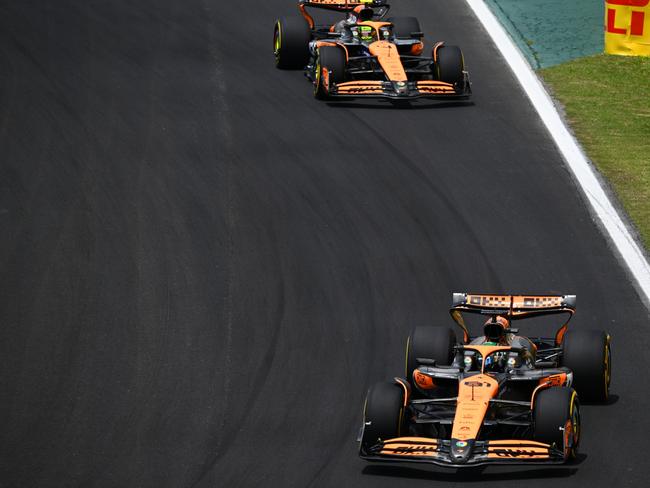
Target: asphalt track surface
(202, 269)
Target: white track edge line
(584, 173)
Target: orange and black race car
(364, 55)
(493, 399)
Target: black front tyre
(588, 354)
(429, 342)
(333, 60)
(449, 64)
(556, 416)
(383, 413)
(291, 38)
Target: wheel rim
(277, 42)
(317, 76)
(574, 425)
(575, 420)
(608, 369)
(568, 439)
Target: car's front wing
(439, 452)
(400, 90)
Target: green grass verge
(607, 103)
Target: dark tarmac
(202, 268)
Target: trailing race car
(497, 399)
(365, 56)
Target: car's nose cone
(401, 87)
(461, 450)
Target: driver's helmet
(495, 329)
(366, 33)
(363, 13)
(495, 362)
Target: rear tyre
(291, 38)
(556, 415)
(383, 413)
(449, 64)
(429, 342)
(588, 354)
(404, 27)
(333, 60)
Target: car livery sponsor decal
(412, 446)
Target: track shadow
(399, 105)
(610, 401)
(479, 474)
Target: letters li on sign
(627, 27)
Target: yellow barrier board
(627, 27)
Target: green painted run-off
(550, 32)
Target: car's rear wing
(513, 307)
(340, 6)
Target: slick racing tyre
(291, 42)
(588, 354)
(404, 27)
(556, 416)
(429, 342)
(449, 64)
(332, 60)
(383, 413)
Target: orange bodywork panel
(517, 449)
(410, 446)
(389, 60)
(360, 88)
(308, 18)
(435, 87)
(340, 3)
(490, 301)
(423, 447)
(514, 301)
(434, 50)
(326, 79)
(536, 302)
(474, 395)
(320, 44)
(417, 49)
(559, 379)
(424, 381)
(406, 388)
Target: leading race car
(495, 399)
(366, 56)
